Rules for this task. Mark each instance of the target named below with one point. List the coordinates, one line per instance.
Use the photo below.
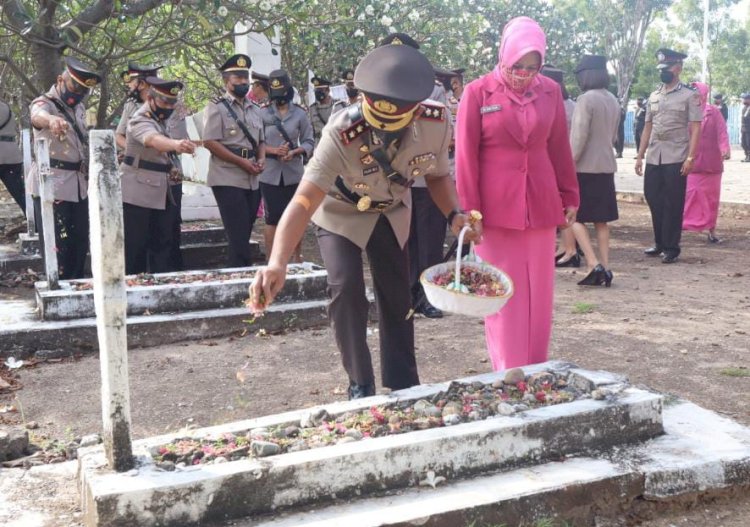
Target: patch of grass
(581, 308)
(739, 371)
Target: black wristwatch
(451, 215)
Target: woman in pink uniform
(514, 165)
(704, 182)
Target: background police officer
(320, 110)
(11, 158)
(673, 123)
(259, 88)
(357, 191)
(135, 80)
(59, 117)
(352, 93)
(149, 169)
(233, 133)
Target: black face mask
(71, 98)
(666, 76)
(240, 90)
(320, 95)
(352, 92)
(161, 114)
(135, 95)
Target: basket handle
(470, 257)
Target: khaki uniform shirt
(670, 112)
(298, 127)
(10, 154)
(68, 185)
(344, 151)
(320, 114)
(420, 182)
(140, 186)
(219, 126)
(176, 125)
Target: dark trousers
(239, 209)
(149, 238)
(348, 309)
(664, 189)
(745, 141)
(71, 235)
(426, 238)
(638, 133)
(12, 177)
(175, 253)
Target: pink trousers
(519, 334)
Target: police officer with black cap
(673, 123)
(233, 133)
(150, 171)
(59, 117)
(721, 105)
(289, 139)
(135, 80)
(321, 109)
(352, 93)
(260, 89)
(356, 189)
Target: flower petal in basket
(455, 301)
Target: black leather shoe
(360, 391)
(669, 258)
(608, 276)
(653, 251)
(431, 311)
(713, 239)
(597, 276)
(573, 261)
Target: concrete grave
(180, 292)
(151, 496)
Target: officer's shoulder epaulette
(432, 111)
(300, 106)
(216, 100)
(353, 131)
(690, 87)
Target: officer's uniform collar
(242, 101)
(677, 87)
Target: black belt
(65, 165)
(8, 138)
(375, 206)
(244, 153)
(272, 156)
(147, 165)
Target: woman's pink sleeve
(468, 137)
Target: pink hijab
(521, 35)
(703, 90)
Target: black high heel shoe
(608, 278)
(573, 261)
(597, 276)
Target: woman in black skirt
(592, 136)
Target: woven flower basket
(452, 299)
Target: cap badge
(175, 90)
(396, 41)
(90, 82)
(349, 77)
(275, 83)
(241, 62)
(660, 56)
(316, 82)
(385, 106)
(126, 77)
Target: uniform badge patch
(370, 170)
(490, 109)
(421, 158)
(368, 159)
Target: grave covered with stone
(456, 430)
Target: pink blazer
(713, 143)
(513, 161)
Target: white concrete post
(108, 269)
(46, 196)
(26, 148)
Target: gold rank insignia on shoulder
(364, 203)
(364, 148)
(422, 158)
(355, 130)
(433, 113)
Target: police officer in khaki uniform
(59, 117)
(135, 80)
(149, 166)
(320, 110)
(11, 158)
(260, 88)
(357, 191)
(289, 139)
(233, 133)
(352, 93)
(673, 123)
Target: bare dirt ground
(681, 329)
